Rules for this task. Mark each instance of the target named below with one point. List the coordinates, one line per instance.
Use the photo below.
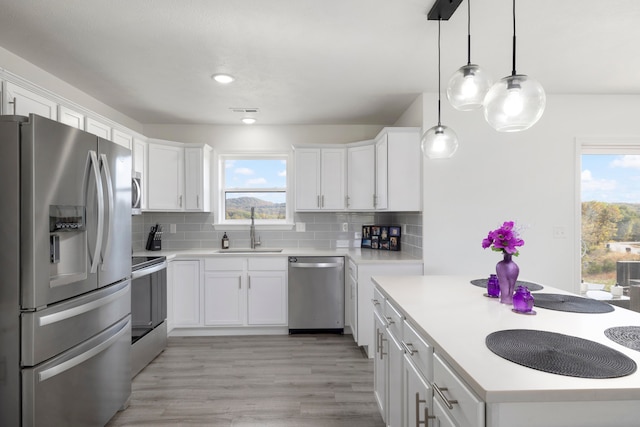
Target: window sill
(243, 227)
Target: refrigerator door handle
(95, 256)
(104, 163)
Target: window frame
(221, 190)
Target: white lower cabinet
(351, 298)
(364, 272)
(242, 291)
(184, 290)
(413, 385)
(417, 395)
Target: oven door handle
(149, 270)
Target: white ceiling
(312, 61)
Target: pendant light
(439, 142)
(469, 84)
(517, 101)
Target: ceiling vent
(245, 110)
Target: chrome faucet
(252, 231)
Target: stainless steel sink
(249, 251)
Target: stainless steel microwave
(136, 194)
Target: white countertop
(360, 256)
(456, 318)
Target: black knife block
(154, 241)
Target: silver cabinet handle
(408, 347)
(440, 393)
(427, 417)
(180, 201)
(381, 344)
(239, 282)
(318, 200)
(389, 320)
(15, 104)
(374, 200)
(375, 302)
(346, 200)
(322, 201)
(249, 282)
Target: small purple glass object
(522, 300)
(493, 287)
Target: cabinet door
(22, 102)
(380, 365)
(267, 298)
(417, 396)
(307, 179)
(165, 177)
(99, 129)
(70, 117)
(197, 177)
(404, 168)
(381, 173)
(394, 382)
(332, 181)
(442, 418)
(122, 138)
(361, 182)
(185, 281)
(223, 298)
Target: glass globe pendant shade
(439, 142)
(514, 103)
(468, 87)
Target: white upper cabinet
(97, 128)
(178, 177)
(320, 179)
(122, 138)
(361, 178)
(165, 178)
(22, 102)
(70, 117)
(198, 178)
(403, 170)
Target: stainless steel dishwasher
(316, 294)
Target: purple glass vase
(507, 272)
(493, 287)
(522, 300)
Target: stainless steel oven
(148, 310)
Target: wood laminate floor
(266, 381)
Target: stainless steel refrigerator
(65, 263)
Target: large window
(610, 212)
(258, 182)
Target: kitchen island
(454, 318)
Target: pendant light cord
(439, 21)
(513, 71)
(468, 32)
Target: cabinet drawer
(467, 410)
(224, 263)
(378, 302)
(268, 264)
(394, 320)
(419, 351)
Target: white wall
(528, 176)
(412, 116)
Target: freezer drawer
(83, 386)
(51, 331)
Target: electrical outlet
(345, 226)
(301, 226)
(559, 232)
(172, 228)
(404, 228)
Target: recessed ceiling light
(248, 120)
(223, 78)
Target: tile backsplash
(323, 231)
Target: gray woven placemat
(628, 336)
(570, 303)
(482, 283)
(560, 354)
